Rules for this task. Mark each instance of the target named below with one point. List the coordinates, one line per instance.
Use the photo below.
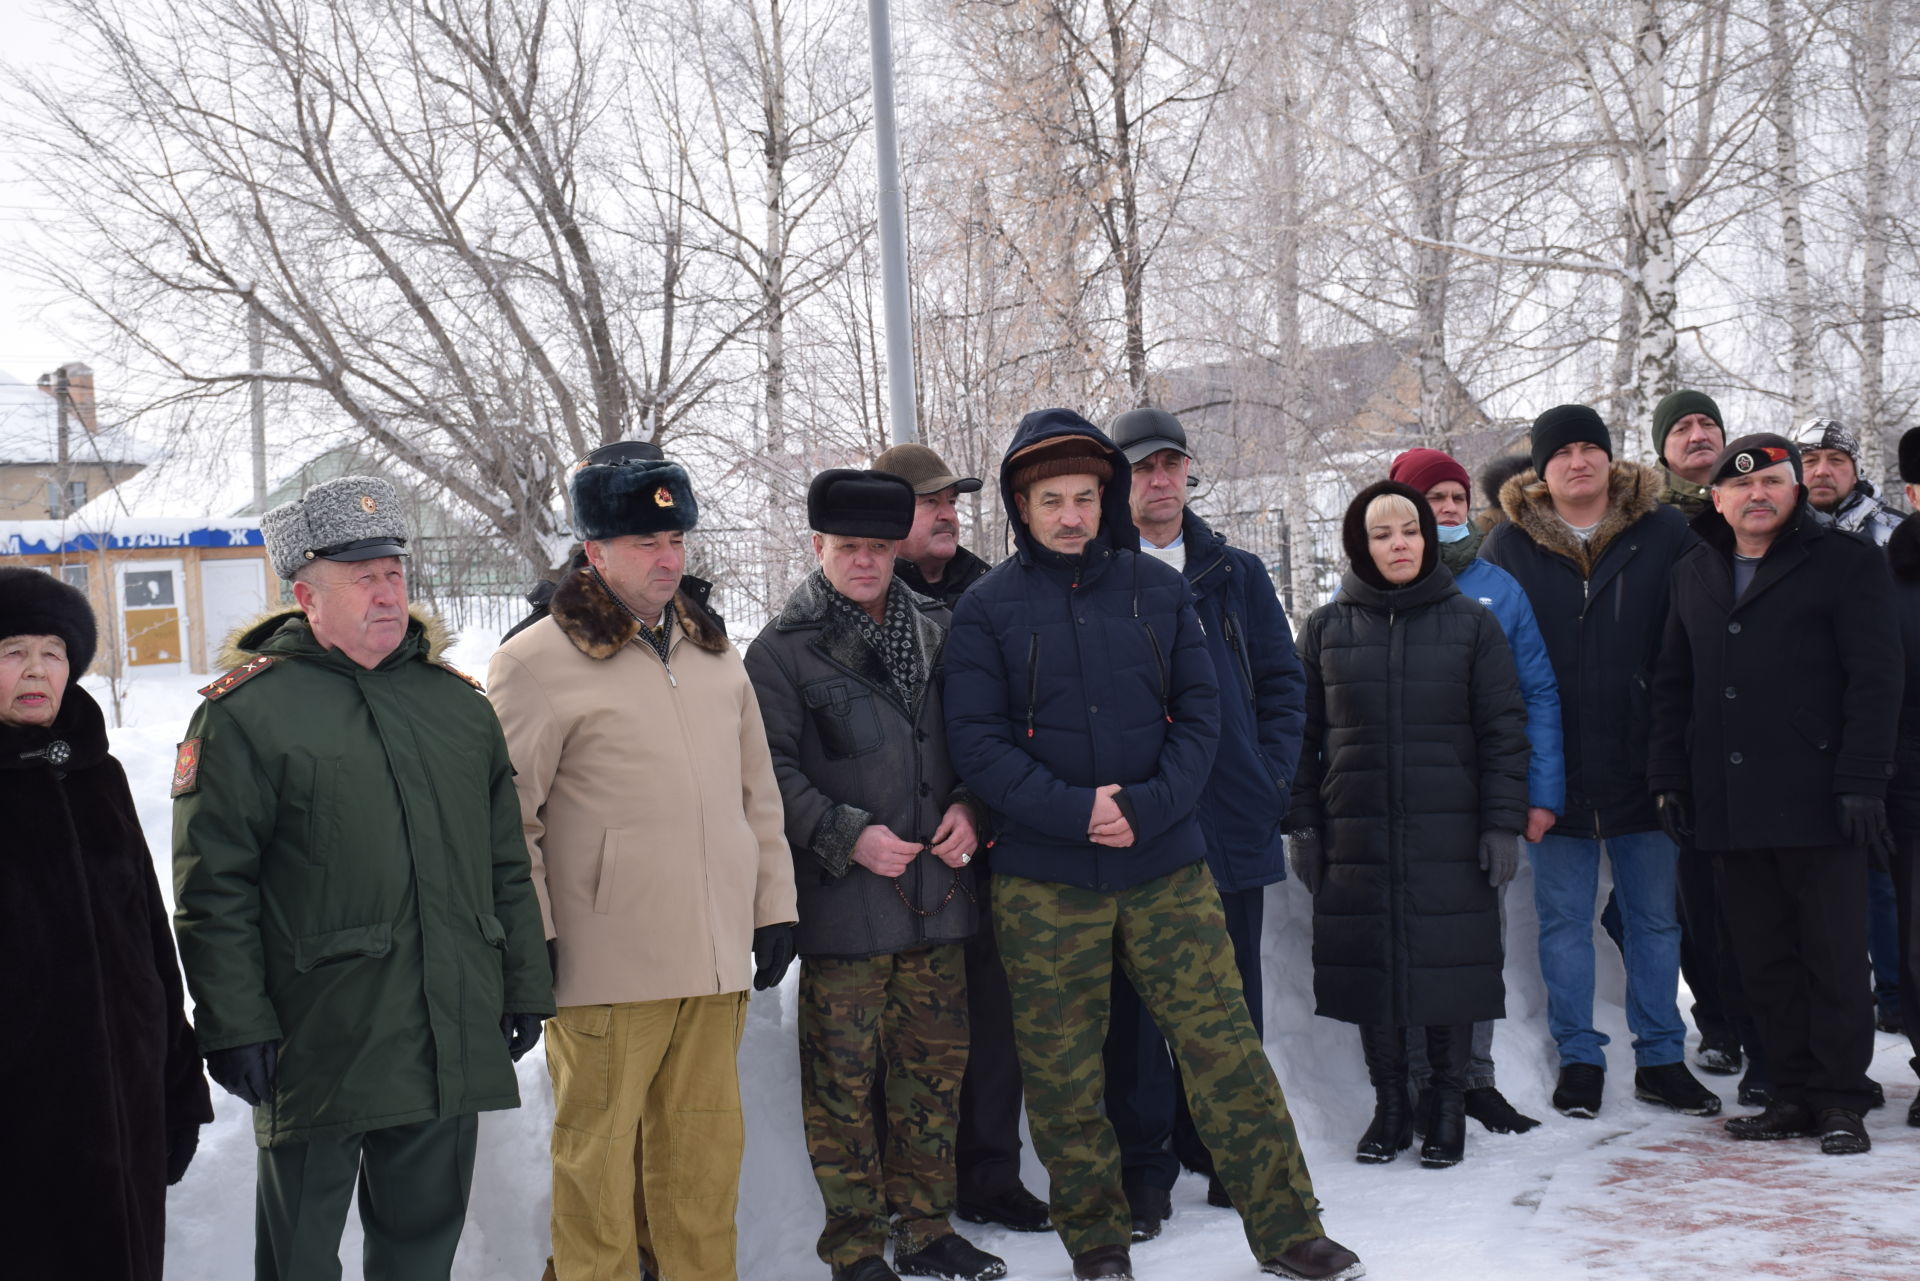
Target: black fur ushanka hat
(37, 604)
(632, 496)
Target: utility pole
(256, 360)
(902, 412)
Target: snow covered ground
(1637, 1193)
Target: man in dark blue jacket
(1081, 707)
(1262, 711)
(1592, 545)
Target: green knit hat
(1673, 408)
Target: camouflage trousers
(908, 1012)
(1060, 943)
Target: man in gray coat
(848, 678)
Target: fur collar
(244, 641)
(810, 607)
(600, 627)
(1633, 491)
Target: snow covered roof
(29, 431)
(47, 537)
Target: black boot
(1392, 1130)
(1448, 1048)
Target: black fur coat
(99, 1067)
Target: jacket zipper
(1033, 679)
(1239, 651)
(1160, 665)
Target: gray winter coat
(847, 755)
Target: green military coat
(351, 882)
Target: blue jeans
(1883, 940)
(1566, 880)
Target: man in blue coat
(1082, 708)
(1262, 711)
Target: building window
(74, 576)
(76, 495)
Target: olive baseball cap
(925, 470)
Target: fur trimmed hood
(600, 626)
(245, 640)
(1633, 491)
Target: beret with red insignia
(1754, 453)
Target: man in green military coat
(356, 917)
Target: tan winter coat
(651, 810)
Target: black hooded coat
(1416, 743)
(101, 1066)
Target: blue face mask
(1454, 533)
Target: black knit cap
(1677, 405)
(860, 504)
(37, 604)
(1910, 457)
(1753, 453)
(1353, 533)
(1561, 426)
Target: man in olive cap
(1776, 698)
(651, 811)
(355, 914)
(931, 561)
(1688, 433)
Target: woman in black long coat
(105, 1098)
(1407, 811)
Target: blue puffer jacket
(1263, 709)
(1065, 674)
(1501, 593)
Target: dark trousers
(413, 1182)
(1883, 941)
(1906, 897)
(1706, 959)
(1146, 1101)
(1798, 918)
(987, 1148)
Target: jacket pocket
(1818, 733)
(323, 821)
(337, 945)
(610, 859)
(844, 716)
(492, 931)
(580, 1050)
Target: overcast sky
(31, 338)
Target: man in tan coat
(654, 824)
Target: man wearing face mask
(1688, 432)
(1775, 709)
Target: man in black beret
(1903, 793)
(1775, 704)
(883, 839)
(1592, 545)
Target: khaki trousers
(647, 1138)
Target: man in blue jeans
(1592, 545)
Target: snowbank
(1637, 1192)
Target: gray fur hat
(352, 518)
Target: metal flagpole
(902, 416)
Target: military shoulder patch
(227, 682)
(449, 667)
(186, 768)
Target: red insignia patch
(186, 767)
(663, 497)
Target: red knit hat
(1422, 469)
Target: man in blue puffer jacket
(1082, 708)
(1263, 707)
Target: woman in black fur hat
(1407, 812)
(101, 1072)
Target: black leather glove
(1308, 857)
(1863, 822)
(522, 1032)
(1499, 856)
(1676, 817)
(772, 954)
(245, 1071)
(181, 1145)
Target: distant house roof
(30, 431)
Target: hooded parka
(100, 1064)
(351, 882)
(1068, 673)
(848, 754)
(1416, 744)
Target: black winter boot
(1449, 1047)
(1391, 1133)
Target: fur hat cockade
(37, 604)
(636, 495)
(860, 504)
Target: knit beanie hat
(1422, 469)
(1561, 426)
(1675, 406)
